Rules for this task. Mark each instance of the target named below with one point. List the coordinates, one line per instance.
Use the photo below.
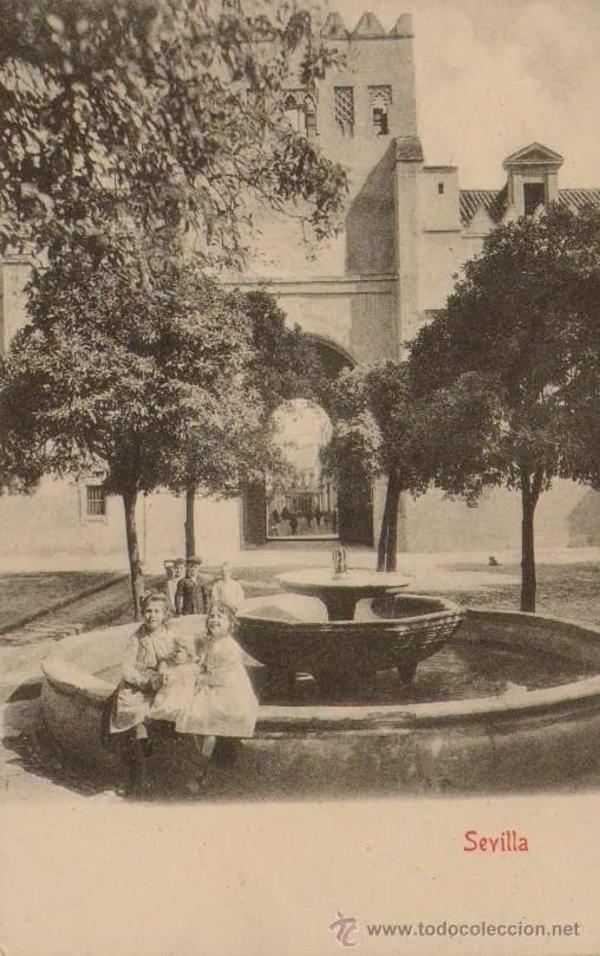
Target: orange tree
(163, 116)
(136, 140)
(227, 447)
(511, 367)
(380, 429)
(118, 375)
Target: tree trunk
(388, 537)
(530, 492)
(383, 534)
(133, 550)
(391, 555)
(190, 524)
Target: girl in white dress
(178, 675)
(147, 655)
(223, 703)
(147, 651)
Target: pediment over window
(533, 155)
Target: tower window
(310, 115)
(380, 122)
(95, 501)
(441, 189)
(381, 97)
(293, 112)
(534, 195)
(343, 99)
(301, 112)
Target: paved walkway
(282, 554)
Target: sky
(495, 75)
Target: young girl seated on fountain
(152, 656)
(222, 704)
(178, 675)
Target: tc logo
(344, 928)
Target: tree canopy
(112, 375)
(137, 138)
(161, 116)
(512, 363)
(380, 429)
(285, 365)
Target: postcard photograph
(299, 477)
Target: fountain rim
(66, 677)
(383, 622)
(378, 585)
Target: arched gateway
(306, 505)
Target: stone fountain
(508, 701)
(328, 641)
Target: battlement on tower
(367, 28)
(361, 114)
(366, 99)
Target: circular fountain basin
(292, 636)
(511, 703)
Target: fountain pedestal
(344, 654)
(341, 593)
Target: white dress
(146, 654)
(178, 681)
(223, 703)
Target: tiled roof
(494, 201)
(579, 198)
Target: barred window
(344, 109)
(95, 501)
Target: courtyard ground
(24, 596)
(568, 587)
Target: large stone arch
(333, 355)
(355, 519)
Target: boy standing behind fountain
(178, 572)
(190, 597)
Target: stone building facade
(408, 229)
